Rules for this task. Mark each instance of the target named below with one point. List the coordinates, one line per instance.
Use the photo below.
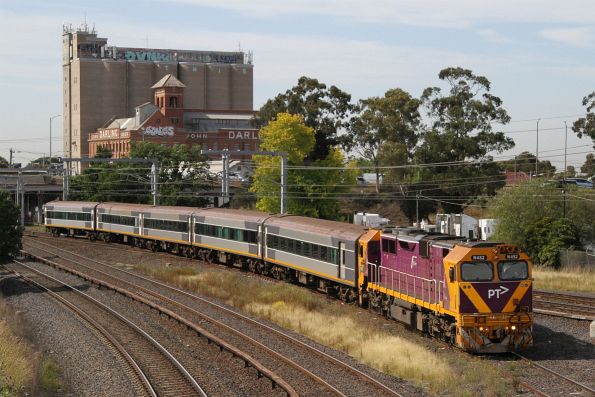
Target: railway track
(573, 387)
(564, 305)
(156, 370)
(183, 304)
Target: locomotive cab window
(477, 271)
(513, 270)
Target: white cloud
(578, 37)
(493, 36)
(452, 13)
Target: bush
(10, 229)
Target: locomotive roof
(318, 226)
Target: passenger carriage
(71, 217)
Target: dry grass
(567, 279)
(343, 328)
(17, 358)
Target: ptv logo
(497, 292)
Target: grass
(566, 279)
(17, 358)
(344, 328)
(49, 375)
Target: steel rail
(95, 325)
(129, 323)
(290, 338)
(557, 374)
(249, 361)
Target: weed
(340, 327)
(49, 375)
(566, 279)
(17, 358)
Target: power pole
(154, 182)
(537, 149)
(417, 209)
(283, 156)
(10, 161)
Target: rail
(182, 370)
(227, 310)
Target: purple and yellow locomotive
(476, 295)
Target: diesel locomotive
(475, 295)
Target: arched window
(173, 102)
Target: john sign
(158, 131)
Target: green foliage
(324, 109)
(386, 129)
(526, 211)
(103, 152)
(525, 162)
(10, 230)
(309, 193)
(183, 177)
(3, 162)
(586, 125)
(462, 129)
(588, 168)
(547, 237)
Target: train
(476, 295)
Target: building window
(173, 102)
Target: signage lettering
(147, 56)
(158, 131)
(243, 134)
(198, 135)
(108, 134)
(497, 292)
(478, 257)
(512, 256)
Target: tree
(103, 152)
(547, 237)
(323, 109)
(183, 177)
(386, 128)
(586, 125)
(525, 162)
(525, 212)
(589, 167)
(310, 193)
(3, 162)
(570, 171)
(462, 129)
(10, 230)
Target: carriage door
(341, 269)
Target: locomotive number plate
(512, 256)
(478, 257)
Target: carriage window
(513, 270)
(70, 216)
(477, 271)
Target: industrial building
(103, 83)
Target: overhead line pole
(154, 179)
(225, 171)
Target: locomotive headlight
(481, 329)
(513, 327)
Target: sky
(539, 55)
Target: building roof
(169, 80)
(143, 112)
